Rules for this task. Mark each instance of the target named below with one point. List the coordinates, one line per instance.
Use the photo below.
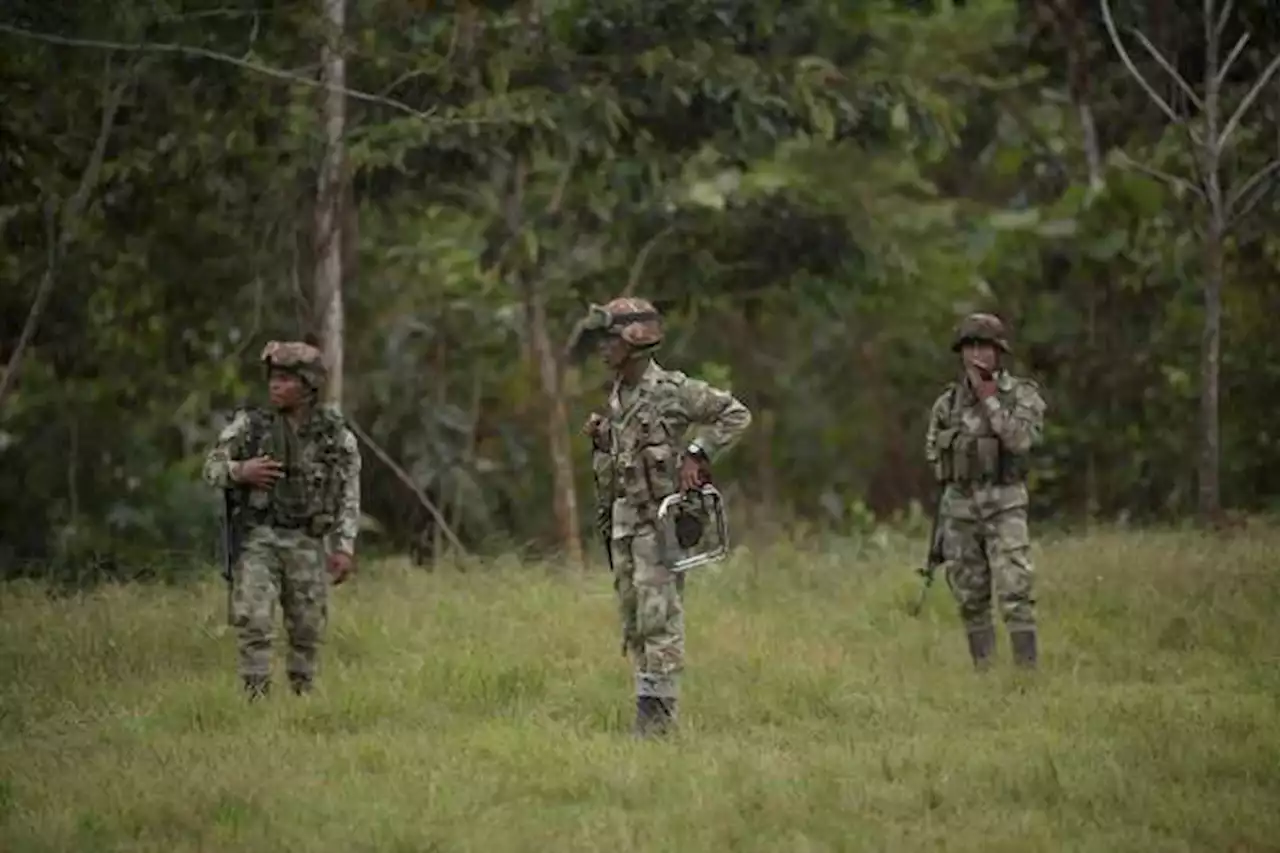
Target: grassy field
(489, 711)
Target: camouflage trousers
(650, 602)
(990, 555)
(286, 566)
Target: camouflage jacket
(321, 487)
(979, 448)
(637, 461)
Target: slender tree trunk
(62, 233)
(1209, 496)
(541, 353)
(329, 197)
(566, 498)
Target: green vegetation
(489, 711)
(812, 191)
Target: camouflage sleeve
(937, 422)
(1020, 426)
(722, 415)
(221, 460)
(348, 526)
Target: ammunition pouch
(977, 460)
(649, 472)
(316, 526)
(944, 469)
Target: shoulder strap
(953, 392)
(259, 425)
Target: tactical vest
(978, 458)
(309, 495)
(643, 454)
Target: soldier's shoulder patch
(333, 415)
(1029, 392)
(238, 424)
(347, 439)
(1026, 383)
(673, 377)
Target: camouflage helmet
(980, 327)
(634, 320)
(296, 357)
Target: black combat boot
(1024, 647)
(654, 716)
(257, 686)
(982, 645)
(300, 683)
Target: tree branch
(66, 232)
(1231, 58)
(1253, 180)
(643, 256)
(1248, 101)
(404, 477)
(1240, 202)
(562, 185)
(1133, 69)
(1168, 67)
(1226, 13)
(1166, 177)
(249, 65)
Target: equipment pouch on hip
(1013, 468)
(961, 461)
(987, 453)
(944, 470)
(659, 471)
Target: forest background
(813, 193)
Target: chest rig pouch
(971, 453)
(692, 529)
(307, 497)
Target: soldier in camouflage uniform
(981, 430)
(639, 457)
(294, 470)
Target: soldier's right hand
(261, 472)
(594, 429)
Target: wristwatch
(694, 449)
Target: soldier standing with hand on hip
(981, 430)
(639, 458)
(294, 472)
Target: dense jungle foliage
(813, 191)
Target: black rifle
(932, 560)
(232, 543)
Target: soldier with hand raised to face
(980, 434)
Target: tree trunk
(328, 269)
(1210, 496)
(62, 234)
(1209, 492)
(566, 499)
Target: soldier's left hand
(694, 473)
(594, 429)
(341, 566)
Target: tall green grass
(490, 711)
